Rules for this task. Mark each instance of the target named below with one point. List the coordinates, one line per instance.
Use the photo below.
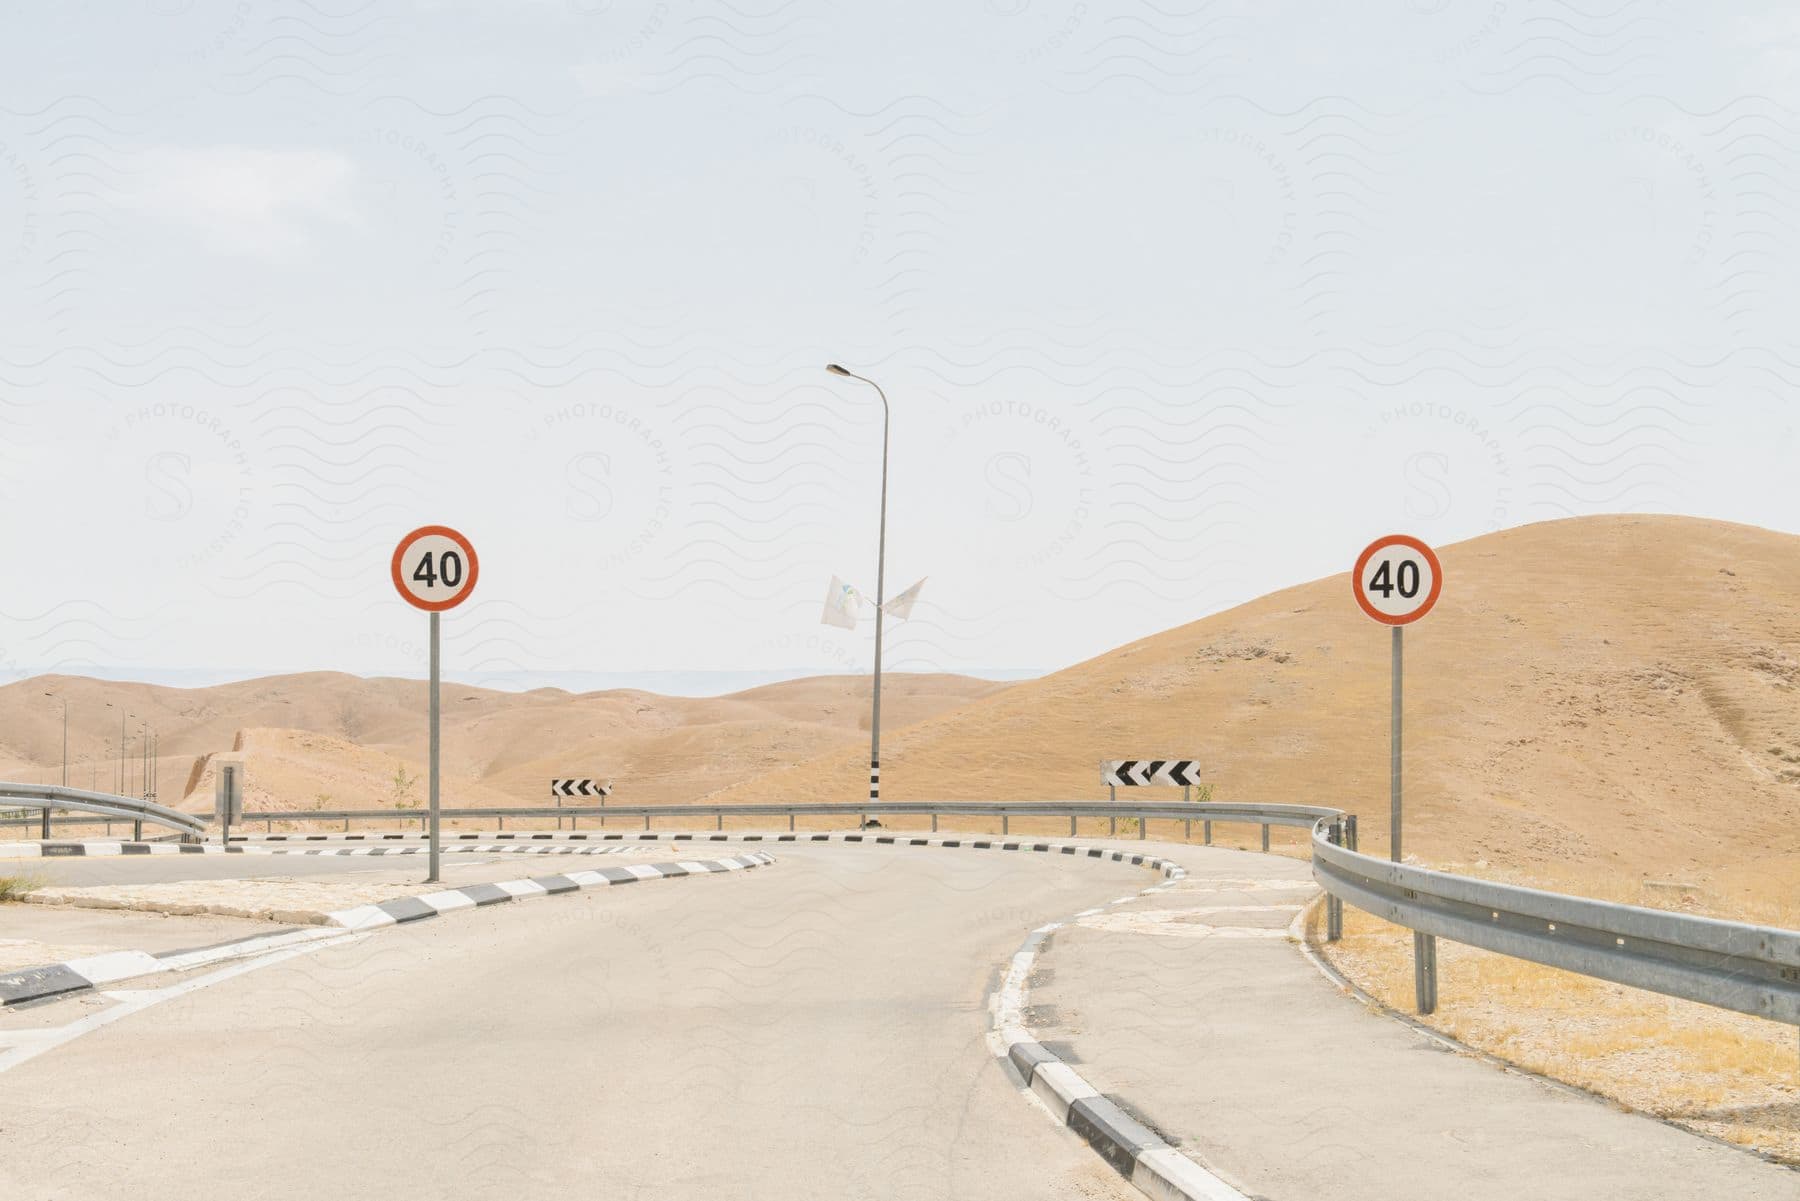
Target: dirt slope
(1587, 693)
(331, 741)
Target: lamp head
(835, 369)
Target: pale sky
(1176, 304)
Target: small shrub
(402, 788)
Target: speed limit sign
(435, 568)
(1397, 579)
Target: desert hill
(1588, 693)
(331, 741)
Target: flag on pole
(842, 604)
(900, 608)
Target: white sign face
(434, 568)
(1397, 579)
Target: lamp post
(880, 585)
(123, 783)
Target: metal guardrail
(1731, 965)
(1205, 813)
(49, 797)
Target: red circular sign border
(1362, 561)
(468, 549)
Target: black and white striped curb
(93, 971)
(105, 846)
(1134, 1150)
(473, 896)
(1046, 847)
(979, 842)
(463, 848)
(60, 850)
(86, 974)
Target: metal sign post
(228, 800)
(1396, 581)
(434, 568)
(436, 708)
(1394, 690)
(581, 786)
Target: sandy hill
(328, 740)
(1588, 693)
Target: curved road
(812, 1030)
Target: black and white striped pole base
(874, 780)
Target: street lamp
(880, 585)
(123, 782)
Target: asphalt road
(812, 1030)
(1291, 1091)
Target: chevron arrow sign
(581, 786)
(1136, 773)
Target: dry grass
(1723, 1074)
(16, 888)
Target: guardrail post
(1071, 825)
(1334, 908)
(1350, 831)
(720, 815)
(646, 823)
(1187, 830)
(790, 822)
(346, 825)
(1265, 832)
(1143, 827)
(1113, 825)
(1206, 832)
(46, 826)
(1425, 971)
(1005, 824)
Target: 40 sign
(1397, 579)
(435, 568)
